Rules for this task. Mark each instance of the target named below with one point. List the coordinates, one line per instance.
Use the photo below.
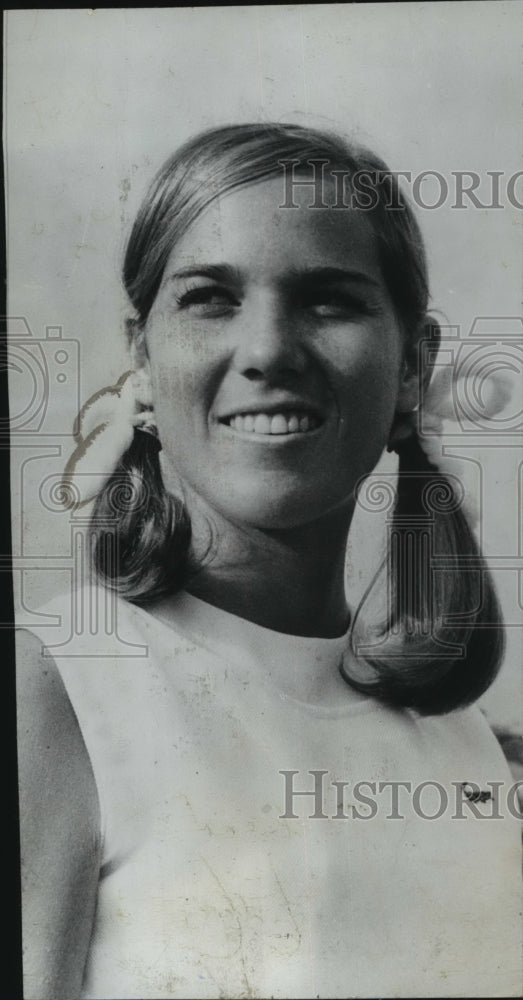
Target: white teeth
(280, 423)
(262, 424)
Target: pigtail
(441, 642)
(142, 532)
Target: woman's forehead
(252, 225)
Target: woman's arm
(59, 829)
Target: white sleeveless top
(220, 878)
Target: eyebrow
(224, 272)
(327, 274)
(218, 272)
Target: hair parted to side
(149, 552)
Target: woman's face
(275, 358)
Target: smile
(273, 424)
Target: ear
(140, 363)
(418, 364)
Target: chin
(284, 512)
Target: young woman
(238, 789)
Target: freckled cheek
(369, 386)
(180, 398)
(183, 351)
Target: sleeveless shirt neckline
(299, 667)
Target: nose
(269, 342)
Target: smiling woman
(271, 333)
(276, 351)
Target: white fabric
(207, 892)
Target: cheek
(182, 377)
(176, 404)
(369, 386)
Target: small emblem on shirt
(475, 794)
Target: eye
(207, 300)
(330, 303)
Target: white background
(95, 100)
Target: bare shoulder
(59, 828)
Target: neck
(289, 581)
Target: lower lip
(271, 439)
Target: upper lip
(272, 407)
